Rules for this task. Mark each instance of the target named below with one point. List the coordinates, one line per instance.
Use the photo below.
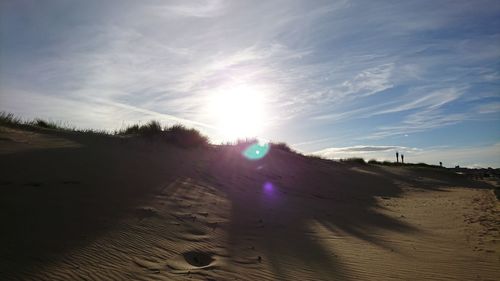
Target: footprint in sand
(192, 260)
(146, 212)
(198, 259)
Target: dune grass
(10, 119)
(242, 144)
(178, 134)
(181, 136)
(353, 160)
(185, 137)
(151, 128)
(283, 147)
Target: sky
(332, 78)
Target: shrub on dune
(185, 137)
(9, 118)
(177, 134)
(151, 128)
(281, 146)
(45, 124)
(353, 160)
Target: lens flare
(270, 193)
(268, 188)
(256, 151)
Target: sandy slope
(78, 207)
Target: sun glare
(239, 112)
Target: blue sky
(335, 78)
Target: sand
(89, 207)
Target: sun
(239, 111)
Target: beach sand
(79, 206)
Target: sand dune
(89, 207)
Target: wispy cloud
(201, 9)
(474, 157)
(418, 122)
(359, 150)
(431, 101)
(369, 81)
(426, 114)
(331, 72)
(493, 107)
(427, 102)
(73, 111)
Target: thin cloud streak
(474, 157)
(333, 72)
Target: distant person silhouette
(402, 159)
(397, 157)
(440, 164)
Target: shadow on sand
(283, 194)
(54, 200)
